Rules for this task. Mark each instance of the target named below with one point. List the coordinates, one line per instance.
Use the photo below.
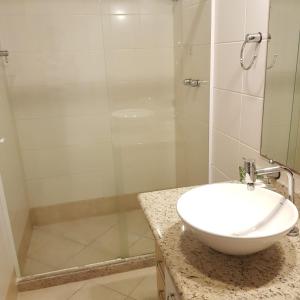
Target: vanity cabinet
(160, 274)
(165, 286)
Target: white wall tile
(194, 23)
(225, 154)
(60, 7)
(139, 167)
(230, 20)
(230, 77)
(120, 7)
(195, 105)
(228, 72)
(62, 189)
(257, 12)
(156, 31)
(251, 121)
(17, 37)
(121, 31)
(66, 100)
(63, 33)
(141, 93)
(196, 62)
(9, 8)
(54, 162)
(254, 79)
(140, 64)
(250, 153)
(218, 176)
(227, 112)
(196, 151)
(86, 61)
(42, 133)
(156, 6)
(177, 21)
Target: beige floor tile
(115, 241)
(33, 266)
(52, 250)
(149, 234)
(147, 289)
(125, 285)
(88, 240)
(97, 292)
(89, 255)
(136, 222)
(62, 292)
(142, 246)
(114, 287)
(83, 231)
(138, 274)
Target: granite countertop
(202, 273)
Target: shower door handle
(4, 53)
(198, 83)
(194, 82)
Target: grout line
(226, 135)
(229, 42)
(84, 283)
(123, 294)
(40, 262)
(59, 235)
(220, 171)
(240, 93)
(85, 246)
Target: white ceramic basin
(231, 219)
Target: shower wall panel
(11, 169)
(192, 31)
(91, 84)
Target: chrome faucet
(251, 174)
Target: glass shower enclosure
(93, 112)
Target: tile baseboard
(25, 243)
(82, 209)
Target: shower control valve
(187, 81)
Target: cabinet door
(171, 293)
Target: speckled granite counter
(201, 273)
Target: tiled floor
(134, 285)
(90, 240)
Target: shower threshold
(38, 281)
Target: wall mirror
(281, 118)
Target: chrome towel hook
(250, 38)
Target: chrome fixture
(250, 38)
(194, 82)
(251, 174)
(187, 81)
(4, 53)
(197, 83)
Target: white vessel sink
(231, 219)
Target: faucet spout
(251, 174)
